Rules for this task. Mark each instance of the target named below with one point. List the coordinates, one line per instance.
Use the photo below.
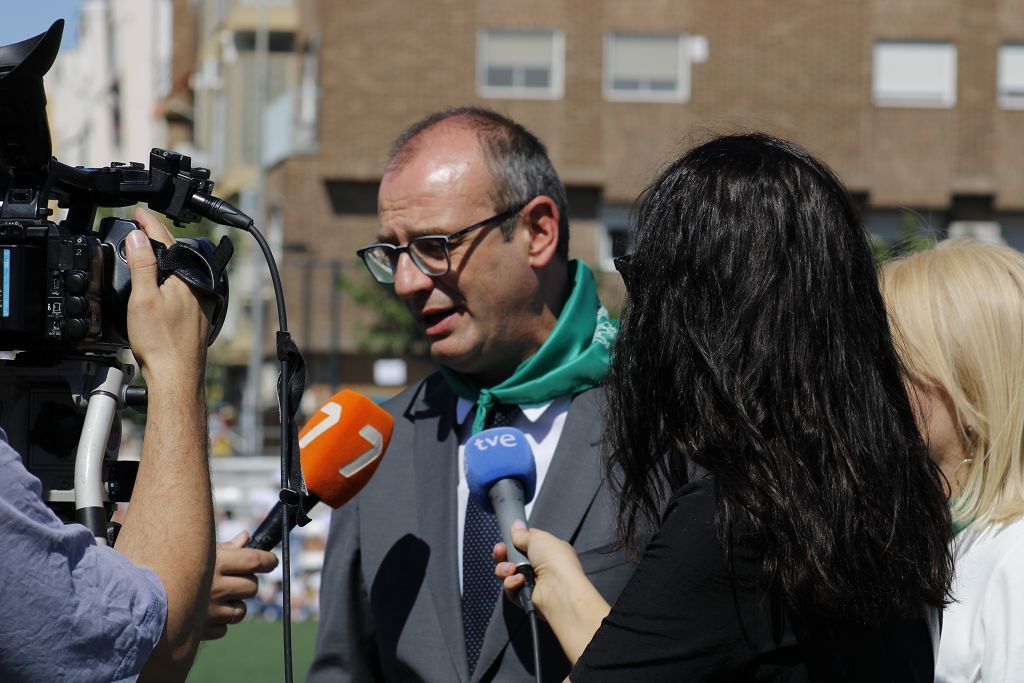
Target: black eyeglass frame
(445, 241)
(623, 265)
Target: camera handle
(104, 399)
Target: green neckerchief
(958, 524)
(572, 359)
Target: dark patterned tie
(480, 587)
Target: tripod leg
(99, 416)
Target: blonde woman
(958, 317)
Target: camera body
(62, 289)
(66, 289)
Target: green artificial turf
(252, 652)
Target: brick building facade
(915, 103)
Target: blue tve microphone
(502, 478)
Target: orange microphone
(339, 450)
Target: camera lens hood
(24, 134)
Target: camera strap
(203, 272)
(202, 267)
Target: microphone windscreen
(341, 446)
(496, 454)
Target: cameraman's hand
(167, 328)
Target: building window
(646, 66)
(1010, 76)
(520, 63)
(914, 74)
(615, 234)
(353, 197)
(277, 41)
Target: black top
(684, 616)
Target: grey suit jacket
(390, 606)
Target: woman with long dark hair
(759, 434)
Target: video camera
(64, 286)
(64, 290)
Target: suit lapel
(569, 488)
(574, 478)
(436, 501)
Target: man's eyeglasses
(430, 253)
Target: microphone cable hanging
(290, 385)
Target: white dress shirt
(983, 631)
(542, 423)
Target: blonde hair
(957, 313)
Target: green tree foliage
(611, 291)
(915, 235)
(393, 331)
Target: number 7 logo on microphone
(341, 446)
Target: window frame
(554, 91)
(683, 70)
(1007, 101)
(885, 100)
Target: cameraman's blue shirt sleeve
(70, 610)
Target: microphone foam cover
(495, 454)
(342, 445)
